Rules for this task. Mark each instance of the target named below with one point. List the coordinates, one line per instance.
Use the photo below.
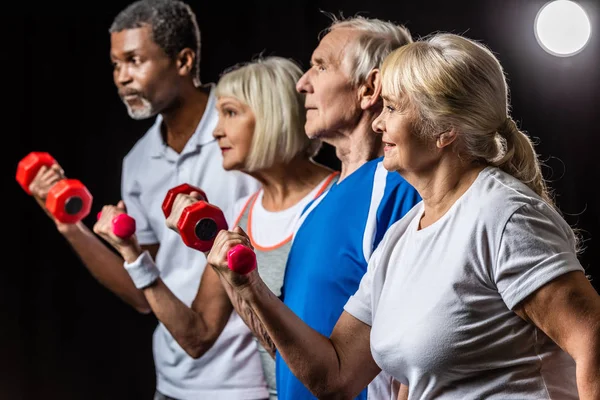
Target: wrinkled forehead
(335, 46)
(133, 40)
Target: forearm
(403, 392)
(588, 371)
(311, 356)
(191, 330)
(104, 265)
(250, 318)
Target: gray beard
(146, 111)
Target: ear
(445, 138)
(370, 91)
(185, 61)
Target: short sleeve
(131, 194)
(399, 198)
(536, 246)
(360, 304)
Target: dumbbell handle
(123, 225)
(241, 259)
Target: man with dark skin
(155, 54)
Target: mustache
(123, 93)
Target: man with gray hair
(332, 247)
(339, 231)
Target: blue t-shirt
(331, 249)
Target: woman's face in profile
(234, 131)
(404, 148)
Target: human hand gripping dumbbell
(188, 212)
(241, 259)
(117, 229)
(121, 224)
(67, 200)
(198, 222)
(233, 259)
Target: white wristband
(143, 271)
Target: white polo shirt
(231, 369)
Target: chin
(311, 133)
(227, 166)
(320, 134)
(389, 165)
(140, 113)
(232, 165)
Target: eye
(136, 60)
(390, 108)
(229, 112)
(318, 66)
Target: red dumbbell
(241, 259)
(123, 225)
(68, 200)
(200, 222)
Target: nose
(121, 75)
(378, 124)
(303, 85)
(219, 132)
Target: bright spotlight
(562, 28)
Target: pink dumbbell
(241, 259)
(123, 225)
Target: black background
(62, 335)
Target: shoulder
(498, 202)
(497, 195)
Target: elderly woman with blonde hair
(477, 292)
(260, 133)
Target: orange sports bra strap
(250, 200)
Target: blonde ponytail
(520, 160)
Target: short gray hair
(173, 25)
(376, 40)
(268, 86)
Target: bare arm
(247, 315)
(196, 329)
(105, 265)
(338, 367)
(403, 392)
(102, 262)
(568, 310)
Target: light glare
(562, 28)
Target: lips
(129, 94)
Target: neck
(181, 120)
(357, 146)
(285, 184)
(442, 185)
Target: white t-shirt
(231, 369)
(439, 299)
